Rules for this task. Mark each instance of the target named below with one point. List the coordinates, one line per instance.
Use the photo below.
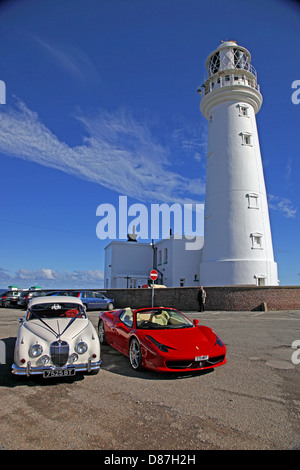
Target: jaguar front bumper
(29, 370)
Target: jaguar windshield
(55, 310)
(161, 318)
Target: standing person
(201, 299)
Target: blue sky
(101, 102)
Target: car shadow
(113, 362)
(10, 380)
(116, 363)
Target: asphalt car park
(252, 402)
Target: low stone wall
(229, 298)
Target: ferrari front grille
(179, 364)
(194, 364)
(215, 360)
(59, 352)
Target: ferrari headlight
(81, 347)
(36, 350)
(219, 341)
(160, 346)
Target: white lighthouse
(237, 235)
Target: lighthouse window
(240, 60)
(214, 63)
(256, 240)
(243, 110)
(246, 138)
(252, 200)
(260, 280)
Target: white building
(178, 266)
(238, 244)
(237, 235)
(128, 263)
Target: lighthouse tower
(237, 235)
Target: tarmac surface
(252, 402)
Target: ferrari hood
(52, 328)
(189, 339)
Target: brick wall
(231, 298)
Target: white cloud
(282, 205)
(119, 153)
(71, 59)
(190, 138)
(289, 168)
(52, 279)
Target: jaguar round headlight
(45, 359)
(36, 350)
(73, 358)
(81, 347)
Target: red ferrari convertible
(161, 339)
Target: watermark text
(296, 94)
(187, 221)
(296, 354)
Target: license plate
(59, 373)
(201, 358)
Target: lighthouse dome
(229, 56)
(227, 44)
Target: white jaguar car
(56, 339)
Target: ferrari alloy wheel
(135, 354)
(101, 332)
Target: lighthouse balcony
(230, 78)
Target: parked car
(27, 295)
(56, 339)
(60, 292)
(9, 297)
(161, 339)
(94, 300)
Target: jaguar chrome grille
(59, 352)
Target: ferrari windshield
(161, 318)
(56, 310)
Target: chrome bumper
(29, 370)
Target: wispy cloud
(190, 138)
(72, 60)
(282, 205)
(118, 152)
(52, 279)
(288, 169)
